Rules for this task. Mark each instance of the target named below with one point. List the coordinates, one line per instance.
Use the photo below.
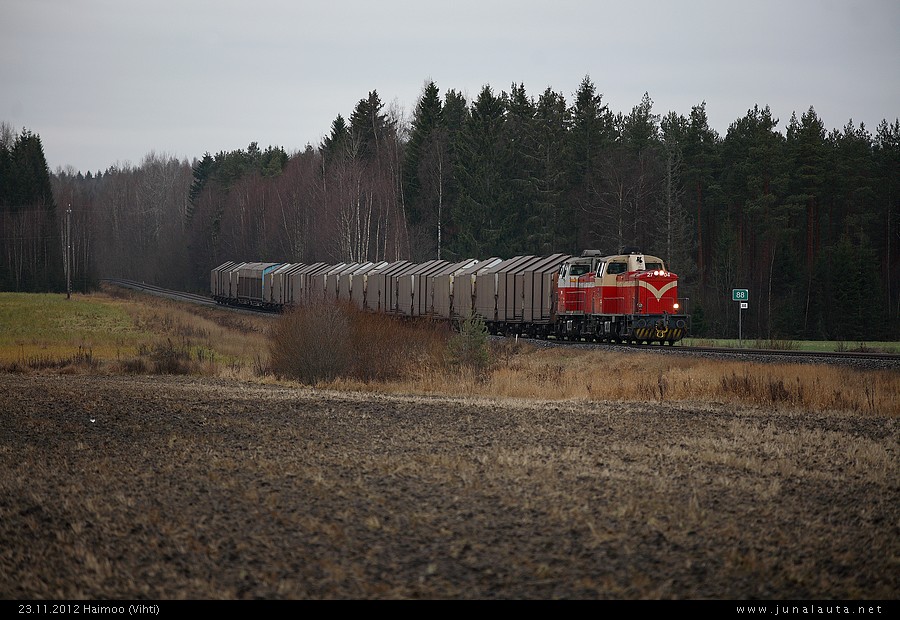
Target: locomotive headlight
(675, 306)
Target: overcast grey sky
(107, 82)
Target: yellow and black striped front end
(667, 328)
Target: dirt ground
(166, 488)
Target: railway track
(151, 289)
(876, 359)
(870, 360)
(879, 355)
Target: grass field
(51, 326)
(120, 332)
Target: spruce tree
(456, 117)
(369, 125)
(30, 234)
(552, 230)
(202, 171)
(592, 132)
(428, 120)
(479, 213)
(520, 227)
(336, 145)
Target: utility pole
(68, 261)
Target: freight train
(620, 298)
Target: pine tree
(887, 161)
(641, 128)
(272, 161)
(757, 181)
(673, 229)
(701, 171)
(807, 153)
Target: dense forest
(807, 219)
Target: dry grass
(601, 375)
(341, 348)
(521, 371)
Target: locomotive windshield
(579, 270)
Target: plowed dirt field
(181, 488)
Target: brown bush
(169, 358)
(311, 343)
(321, 342)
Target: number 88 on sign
(740, 294)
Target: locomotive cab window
(653, 266)
(578, 270)
(614, 268)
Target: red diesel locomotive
(620, 298)
(623, 298)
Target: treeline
(806, 219)
(31, 256)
